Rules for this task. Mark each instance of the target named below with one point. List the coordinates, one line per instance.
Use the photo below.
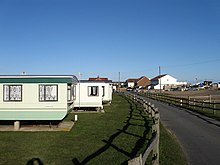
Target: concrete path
(62, 126)
(198, 135)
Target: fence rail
(154, 142)
(207, 107)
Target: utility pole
(79, 89)
(160, 78)
(119, 84)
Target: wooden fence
(206, 106)
(154, 142)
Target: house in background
(137, 82)
(143, 82)
(118, 86)
(130, 83)
(165, 82)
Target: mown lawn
(171, 152)
(113, 137)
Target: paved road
(198, 135)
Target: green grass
(171, 152)
(113, 137)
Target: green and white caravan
(36, 97)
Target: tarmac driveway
(198, 135)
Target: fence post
(152, 111)
(194, 104)
(154, 145)
(149, 110)
(214, 107)
(188, 101)
(144, 105)
(156, 130)
(203, 105)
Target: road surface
(198, 135)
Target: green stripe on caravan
(38, 79)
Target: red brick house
(138, 82)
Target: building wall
(30, 108)
(108, 93)
(167, 81)
(84, 100)
(131, 84)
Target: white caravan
(92, 94)
(107, 91)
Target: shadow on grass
(35, 161)
(109, 143)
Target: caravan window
(74, 92)
(93, 90)
(12, 92)
(103, 91)
(71, 90)
(48, 92)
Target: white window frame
(12, 93)
(48, 92)
(71, 92)
(93, 91)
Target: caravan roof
(38, 79)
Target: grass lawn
(113, 137)
(170, 151)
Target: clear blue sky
(105, 37)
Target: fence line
(205, 106)
(154, 142)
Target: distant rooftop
(98, 78)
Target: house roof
(98, 78)
(95, 81)
(158, 77)
(132, 80)
(136, 79)
(142, 78)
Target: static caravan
(88, 95)
(93, 94)
(106, 87)
(107, 91)
(36, 97)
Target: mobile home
(93, 94)
(36, 97)
(88, 95)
